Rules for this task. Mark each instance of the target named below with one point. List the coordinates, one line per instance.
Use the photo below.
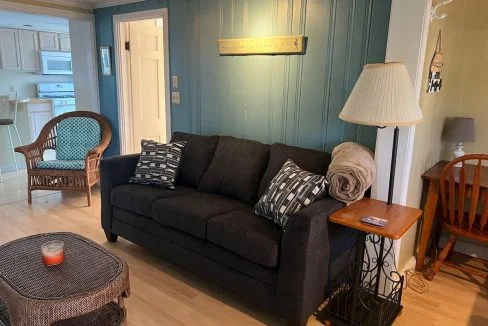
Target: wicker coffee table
(87, 289)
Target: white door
(48, 41)
(147, 76)
(29, 50)
(9, 49)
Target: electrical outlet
(175, 82)
(175, 98)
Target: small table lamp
(459, 130)
(383, 96)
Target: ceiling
(37, 22)
(91, 4)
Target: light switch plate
(175, 98)
(175, 82)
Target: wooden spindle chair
(464, 208)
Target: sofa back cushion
(309, 160)
(197, 155)
(236, 169)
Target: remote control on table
(375, 221)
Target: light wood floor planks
(163, 294)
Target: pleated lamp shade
(383, 96)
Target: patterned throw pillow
(159, 163)
(290, 190)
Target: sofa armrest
(304, 259)
(114, 171)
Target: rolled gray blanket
(351, 172)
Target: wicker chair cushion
(62, 164)
(75, 137)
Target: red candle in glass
(53, 252)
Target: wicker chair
(77, 171)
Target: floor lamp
(383, 97)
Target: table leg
(429, 214)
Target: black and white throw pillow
(159, 163)
(290, 190)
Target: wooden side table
(371, 292)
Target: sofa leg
(29, 196)
(111, 237)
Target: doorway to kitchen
(142, 64)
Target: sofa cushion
(290, 190)
(190, 213)
(236, 169)
(159, 163)
(197, 155)
(140, 198)
(309, 160)
(247, 235)
(202, 247)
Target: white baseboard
(408, 265)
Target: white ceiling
(90, 4)
(37, 22)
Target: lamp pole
(393, 165)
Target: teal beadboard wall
(291, 99)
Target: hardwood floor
(162, 294)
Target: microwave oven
(56, 63)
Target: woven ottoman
(88, 288)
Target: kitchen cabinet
(48, 41)
(29, 50)
(9, 49)
(64, 43)
(40, 112)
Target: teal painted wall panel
(291, 99)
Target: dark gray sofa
(206, 224)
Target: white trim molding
(38, 9)
(125, 114)
(407, 39)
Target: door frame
(123, 75)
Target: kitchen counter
(32, 101)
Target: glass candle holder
(52, 252)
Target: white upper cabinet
(64, 43)
(9, 49)
(29, 50)
(48, 41)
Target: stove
(61, 94)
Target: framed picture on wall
(106, 61)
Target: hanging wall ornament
(435, 80)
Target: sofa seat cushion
(140, 198)
(62, 164)
(197, 155)
(236, 169)
(309, 160)
(190, 213)
(198, 246)
(247, 235)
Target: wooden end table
(88, 288)
(370, 292)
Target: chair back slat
(464, 195)
(484, 214)
(452, 196)
(474, 195)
